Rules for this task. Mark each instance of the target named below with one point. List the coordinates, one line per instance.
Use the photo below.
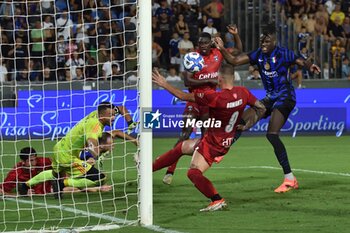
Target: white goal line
(90, 214)
(278, 168)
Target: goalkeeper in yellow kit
(66, 161)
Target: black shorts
(284, 106)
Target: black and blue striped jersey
(274, 72)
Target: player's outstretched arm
(189, 81)
(160, 81)
(234, 60)
(232, 28)
(119, 134)
(252, 115)
(125, 113)
(308, 65)
(260, 109)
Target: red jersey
(20, 174)
(227, 107)
(212, 63)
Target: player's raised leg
(198, 166)
(249, 118)
(277, 121)
(185, 134)
(40, 178)
(171, 156)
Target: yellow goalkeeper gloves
(131, 127)
(100, 159)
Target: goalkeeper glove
(131, 126)
(116, 109)
(101, 158)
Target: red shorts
(196, 110)
(210, 152)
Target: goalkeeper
(66, 159)
(122, 111)
(105, 144)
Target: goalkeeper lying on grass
(66, 161)
(83, 184)
(31, 164)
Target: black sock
(280, 151)
(216, 197)
(168, 172)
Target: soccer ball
(193, 62)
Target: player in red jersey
(225, 106)
(29, 166)
(201, 81)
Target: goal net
(59, 60)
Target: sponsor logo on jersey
(227, 142)
(273, 59)
(270, 74)
(200, 95)
(209, 75)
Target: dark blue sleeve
(290, 57)
(253, 57)
(85, 155)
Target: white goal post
(145, 77)
(47, 90)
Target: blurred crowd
(66, 40)
(315, 20)
(87, 40)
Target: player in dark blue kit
(273, 63)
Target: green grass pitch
(245, 178)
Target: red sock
(201, 182)
(168, 158)
(172, 168)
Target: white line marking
(301, 146)
(76, 229)
(278, 168)
(76, 211)
(160, 229)
(91, 214)
(152, 227)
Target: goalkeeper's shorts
(64, 162)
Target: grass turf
(245, 178)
